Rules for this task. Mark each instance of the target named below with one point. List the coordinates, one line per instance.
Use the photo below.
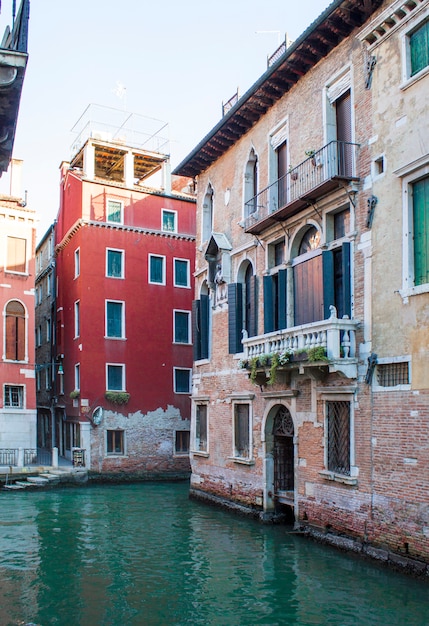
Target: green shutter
(421, 231)
(196, 330)
(204, 326)
(253, 309)
(281, 304)
(235, 317)
(268, 304)
(347, 295)
(419, 48)
(328, 282)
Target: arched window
(207, 225)
(251, 184)
(15, 331)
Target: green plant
(310, 153)
(275, 362)
(253, 364)
(74, 394)
(317, 354)
(117, 397)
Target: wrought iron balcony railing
(318, 174)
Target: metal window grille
(14, 396)
(241, 430)
(201, 428)
(338, 414)
(393, 374)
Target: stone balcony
(337, 337)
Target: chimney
(16, 178)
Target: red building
(124, 264)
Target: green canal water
(145, 554)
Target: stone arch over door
(279, 474)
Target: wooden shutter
(308, 291)
(281, 299)
(344, 133)
(347, 296)
(253, 307)
(235, 317)
(268, 304)
(421, 231)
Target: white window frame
(188, 273)
(235, 456)
(413, 24)
(207, 213)
(124, 440)
(194, 444)
(410, 174)
(163, 212)
(77, 262)
(122, 335)
(27, 248)
(182, 343)
(188, 369)
(121, 204)
(334, 396)
(122, 365)
(77, 319)
(387, 361)
(22, 394)
(122, 263)
(77, 376)
(158, 256)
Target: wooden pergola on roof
(336, 23)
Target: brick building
(125, 249)
(310, 389)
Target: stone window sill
(241, 460)
(200, 453)
(339, 478)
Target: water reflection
(146, 555)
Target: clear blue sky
(177, 60)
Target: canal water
(144, 554)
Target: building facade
(17, 371)
(310, 313)
(124, 257)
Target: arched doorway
(283, 455)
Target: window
(182, 326)
(182, 442)
(48, 331)
(114, 263)
(115, 442)
(16, 255)
(77, 263)
(38, 380)
(77, 319)
(114, 211)
(156, 269)
(241, 431)
(242, 308)
(38, 336)
(207, 215)
(115, 377)
(77, 376)
(48, 377)
(201, 428)
(251, 184)
(15, 331)
(182, 380)
(181, 273)
(48, 285)
(393, 374)
(201, 327)
(115, 319)
(419, 48)
(420, 194)
(14, 396)
(169, 221)
(338, 436)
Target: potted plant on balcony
(74, 394)
(293, 173)
(315, 158)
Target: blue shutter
(328, 282)
(204, 326)
(347, 296)
(281, 304)
(235, 317)
(196, 330)
(253, 309)
(268, 304)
